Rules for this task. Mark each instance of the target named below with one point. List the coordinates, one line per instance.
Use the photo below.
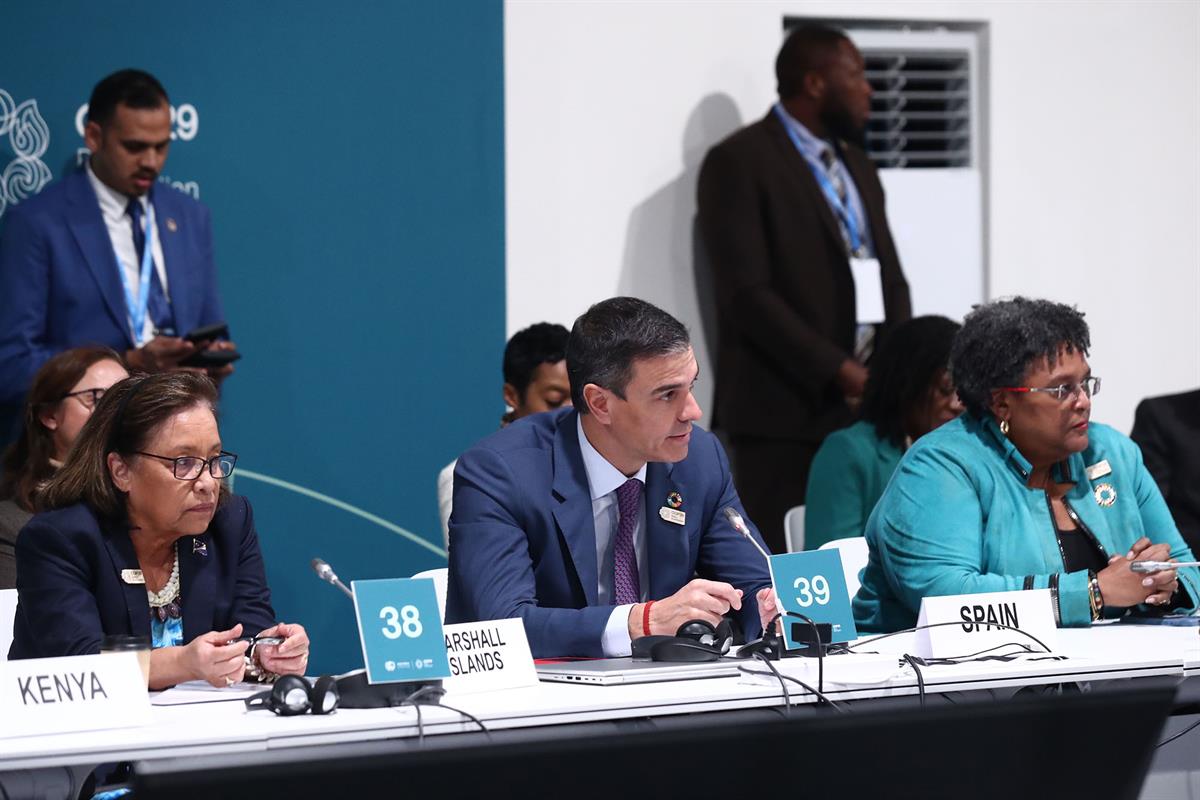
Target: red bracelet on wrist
(646, 618)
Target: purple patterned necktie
(627, 585)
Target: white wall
(1094, 160)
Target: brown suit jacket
(782, 283)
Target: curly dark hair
(902, 372)
(1001, 340)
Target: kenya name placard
(79, 693)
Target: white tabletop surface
(212, 728)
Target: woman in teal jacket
(1022, 491)
(908, 394)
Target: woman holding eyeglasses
(60, 401)
(141, 536)
(1023, 491)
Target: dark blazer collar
(802, 172)
(168, 211)
(667, 545)
(120, 549)
(197, 579)
(574, 511)
(91, 235)
(666, 542)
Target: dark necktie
(157, 306)
(627, 585)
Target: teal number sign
(401, 630)
(812, 583)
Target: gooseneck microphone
(326, 573)
(739, 525)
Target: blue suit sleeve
(725, 555)
(56, 605)
(491, 572)
(24, 299)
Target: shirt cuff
(616, 642)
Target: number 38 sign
(401, 630)
(812, 583)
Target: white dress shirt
(603, 481)
(120, 233)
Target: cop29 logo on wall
(29, 137)
(185, 121)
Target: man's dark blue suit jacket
(70, 591)
(523, 540)
(59, 285)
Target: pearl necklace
(163, 603)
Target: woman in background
(1023, 491)
(908, 394)
(63, 395)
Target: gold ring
(229, 681)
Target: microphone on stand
(326, 573)
(771, 644)
(739, 525)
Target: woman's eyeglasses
(189, 468)
(88, 397)
(1089, 386)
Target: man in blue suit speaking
(108, 255)
(592, 523)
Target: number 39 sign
(812, 583)
(401, 630)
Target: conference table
(219, 726)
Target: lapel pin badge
(672, 515)
(132, 576)
(1106, 495)
(199, 548)
(675, 500)
(172, 225)
(1098, 470)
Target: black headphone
(293, 694)
(696, 640)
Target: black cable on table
(818, 694)
(787, 698)
(852, 648)
(920, 678)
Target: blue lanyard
(845, 214)
(137, 306)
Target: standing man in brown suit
(791, 214)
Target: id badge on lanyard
(137, 306)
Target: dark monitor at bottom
(1085, 745)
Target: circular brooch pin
(675, 500)
(1106, 495)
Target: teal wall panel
(353, 160)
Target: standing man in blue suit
(592, 523)
(108, 255)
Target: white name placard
(985, 620)
(488, 655)
(79, 693)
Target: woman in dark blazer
(140, 536)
